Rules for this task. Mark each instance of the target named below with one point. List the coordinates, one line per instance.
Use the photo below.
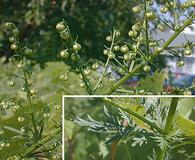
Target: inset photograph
(129, 128)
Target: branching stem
(131, 112)
(40, 143)
(139, 66)
(107, 62)
(36, 133)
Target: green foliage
(119, 125)
(90, 20)
(157, 80)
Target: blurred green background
(90, 20)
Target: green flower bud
(76, 47)
(64, 54)
(146, 68)
(163, 9)
(136, 9)
(180, 63)
(8, 25)
(124, 49)
(64, 34)
(14, 46)
(28, 51)
(60, 26)
(109, 38)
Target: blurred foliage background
(90, 20)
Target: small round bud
(14, 46)
(60, 26)
(15, 31)
(180, 63)
(12, 39)
(109, 38)
(64, 34)
(132, 55)
(95, 66)
(74, 57)
(126, 57)
(8, 25)
(33, 91)
(140, 38)
(105, 51)
(121, 71)
(22, 130)
(150, 15)
(87, 71)
(11, 83)
(64, 77)
(20, 65)
(129, 56)
(116, 48)
(80, 76)
(187, 51)
(22, 89)
(111, 55)
(64, 54)
(132, 33)
(161, 27)
(2, 145)
(124, 49)
(152, 43)
(112, 79)
(163, 9)
(136, 27)
(57, 107)
(76, 46)
(185, 5)
(46, 115)
(117, 33)
(158, 49)
(21, 119)
(146, 68)
(28, 51)
(82, 85)
(151, 3)
(136, 9)
(134, 46)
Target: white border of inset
(102, 96)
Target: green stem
(131, 112)
(40, 143)
(85, 80)
(138, 67)
(36, 135)
(102, 75)
(123, 79)
(146, 31)
(127, 151)
(106, 65)
(170, 117)
(84, 77)
(168, 124)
